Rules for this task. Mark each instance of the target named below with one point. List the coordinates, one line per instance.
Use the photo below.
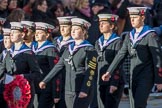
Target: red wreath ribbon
(23, 85)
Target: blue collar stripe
(42, 48)
(72, 49)
(108, 43)
(23, 48)
(112, 38)
(46, 43)
(59, 39)
(21, 51)
(140, 36)
(76, 48)
(67, 42)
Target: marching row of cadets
(69, 72)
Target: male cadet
(7, 44)
(146, 68)
(30, 32)
(107, 46)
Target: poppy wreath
(17, 93)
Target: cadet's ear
(143, 18)
(112, 26)
(23, 35)
(47, 35)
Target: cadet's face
(29, 35)
(65, 30)
(136, 21)
(40, 35)
(7, 42)
(77, 32)
(105, 27)
(16, 36)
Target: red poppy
(49, 30)
(112, 18)
(142, 12)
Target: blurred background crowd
(48, 11)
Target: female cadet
(143, 47)
(80, 65)
(7, 44)
(20, 62)
(30, 32)
(6, 41)
(47, 56)
(107, 47)
(62, 43)
(65, 29)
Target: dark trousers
(141, 90)
(30, 105)
(94, 103)
(2, 102)
(61, 103)
(45, 99)
(73, 101)
(110, 100)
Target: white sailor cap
(44, 26)
(2, 20)
(65, 20)
(16, 26)
(80, 22)
(108, 17)
(28, 24)
(6, 31)
(137, 10)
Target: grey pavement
(153, 102)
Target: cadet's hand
(56, 100)
(159, 87)
(112, 89)
(106, 76)
(82, 95)
(42, 85)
